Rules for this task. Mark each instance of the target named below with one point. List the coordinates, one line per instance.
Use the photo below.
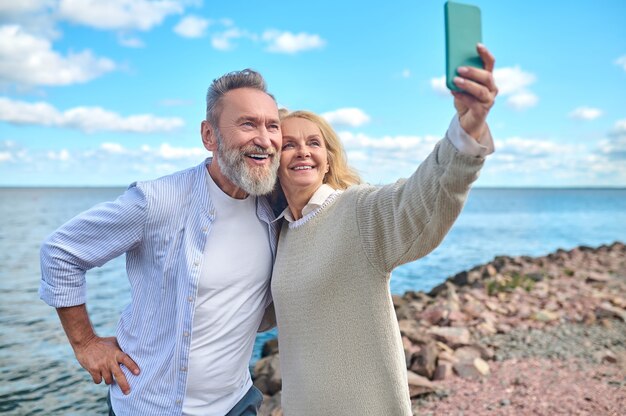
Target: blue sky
(97, 93)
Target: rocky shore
(518, 335)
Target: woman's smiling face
(304, 158)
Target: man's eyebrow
(256, 119)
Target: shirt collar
(317, 200)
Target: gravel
(570, 369)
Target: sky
(105, 93)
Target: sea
(40, 376)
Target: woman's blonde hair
(340, 175)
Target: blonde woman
(340, 346)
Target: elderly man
(199, 246)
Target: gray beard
(259, 180)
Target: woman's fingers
(489, 60)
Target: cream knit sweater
(340, 346)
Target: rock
(457, 316)
(450, 335)
(409, 310)
(472, 369)
(270, 348)
(267, 376)
(606, 310)
(486, 328)
(489, 271)
(460, 279)
(467, 353)
(271, 405)
(608, 356)
(545, 316)
(444, 348)
(503, 328)
(397, 301)
(472, 308)
(424, 362)
(411, 330)
(618, 301)
(437, 290)
(535, 277)
(595, 277)
(434, 314)
(419, 385)
(446, 356)
(443, 370)
(409, 350)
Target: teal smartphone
(463, 32)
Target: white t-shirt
(233, 292)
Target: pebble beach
(518, 335)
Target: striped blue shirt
(162, 226)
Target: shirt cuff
(466, 144)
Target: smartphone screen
(463, 32)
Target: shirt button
(177, 401)
(195, 263)
(205, 229)
(190, 299)
(185, 334)
(183, 369)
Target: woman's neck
(297, 200)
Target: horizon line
(526, 187)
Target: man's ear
(209, 138)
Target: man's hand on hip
(102, 357)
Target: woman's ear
(209, 138)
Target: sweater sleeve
(404, 221)
(88, 240)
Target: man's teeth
(303, 167)
(259, 156)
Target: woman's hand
(478, 96)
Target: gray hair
(246, 78)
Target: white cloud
(287, 42)
(353, 117)
(621, 61)
(513, 83)
(192, 27)
(522, 100)
(439, 86)
(10, 151)
(130, 42)
(13, 8)
(36, 16)
(29, 60)
(113, 148)
(512, 80)
(585, 113)
(62, 155)
(147, 153)
(620, 128)
(88, 119)
(534, 148)
(222, 41)
(615, 146)
(168, 152)
(118, 14)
